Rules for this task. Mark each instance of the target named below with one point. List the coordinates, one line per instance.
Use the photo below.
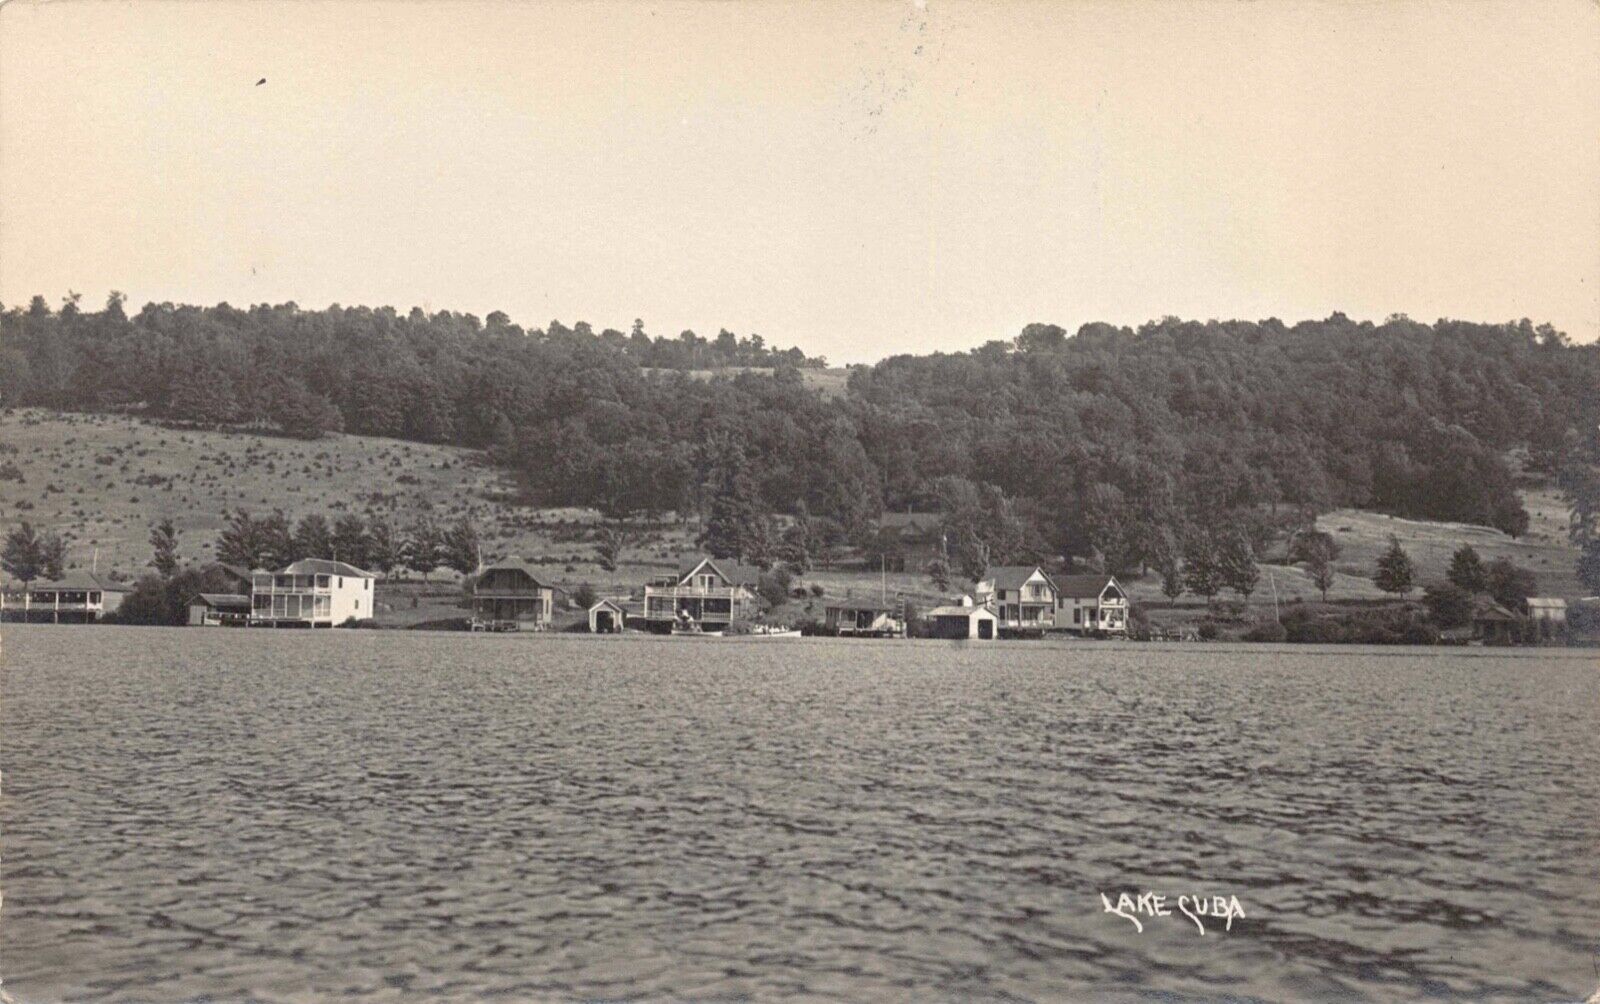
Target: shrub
(1269, 631)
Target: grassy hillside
(103, 481)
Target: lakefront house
(865, 619)
(508, 596)
(1023, 598)
(1093, 603)
(708, 593)
(311, 592)
(77, 598)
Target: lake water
(399, 817)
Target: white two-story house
(1023, 598)
(1091, 604)
(312, 592)
(708, 593)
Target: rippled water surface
(392, 816)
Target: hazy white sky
(856, 178)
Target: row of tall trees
(373, 544)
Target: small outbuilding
(1552, 609)
(219, 610)
(607, 617)
(963, 620)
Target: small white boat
(774, 633)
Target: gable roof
(1546, 603)
(1085, 587)
(514, 565)
(1486, 609)
(1014, 576)
(736, 572)
(323, 566)
(608, 603)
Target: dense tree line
(1109, 440)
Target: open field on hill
(103, 481)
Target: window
(1077, 616)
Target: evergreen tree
(240, 542)
(1395, 573)
(938, 571)
(1237, 560)
(350, 542)
(461, 548)
(164, 541)
(276, 540)
(384, 550)
(424, 547)
(312, 538)
(23, 556)
(735, 524)
(1467, 572)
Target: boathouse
(963, 620)
(607, 617)
(77, 598)
(864, 619)
(508, 596)
(710, 593)
(311, 592)
(219, 610)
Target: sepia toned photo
(756, 500)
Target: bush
(1208, 631)
(1270, 631)
(773, 587)
(583, 597)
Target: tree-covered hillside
(1109, 439)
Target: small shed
(1548, 608)
(219, 610)
(607, 617)
(963, 620)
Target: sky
(856, 178)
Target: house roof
(1014, 576)
(612, 604)
(912, 524)
(957, 611)
(224, 601)
(737, 572)
(1489, 610)
(75, 581)
(512, 565)
(237, 571)
(1546, 603)
(323, 566)
(1083, 587)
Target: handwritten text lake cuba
(397, 816)
(1138, 907)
